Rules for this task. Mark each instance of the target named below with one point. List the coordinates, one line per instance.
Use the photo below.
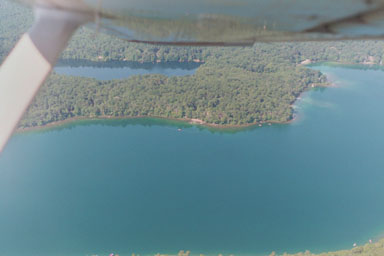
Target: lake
(120, 70)
(141, 186)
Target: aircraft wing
(231, 22)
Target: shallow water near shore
(143, 186)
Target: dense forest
(233, 86)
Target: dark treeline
(15, 20)
(233, 86)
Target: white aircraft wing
(226, 22)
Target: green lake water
(141, 186)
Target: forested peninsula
(232, 86)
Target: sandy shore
(191, 121)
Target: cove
(120, 70)
(142, 186)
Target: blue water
(121, 70)
(142, 186)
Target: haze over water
(142, 186)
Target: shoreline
(190, 121)
(365, 249)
